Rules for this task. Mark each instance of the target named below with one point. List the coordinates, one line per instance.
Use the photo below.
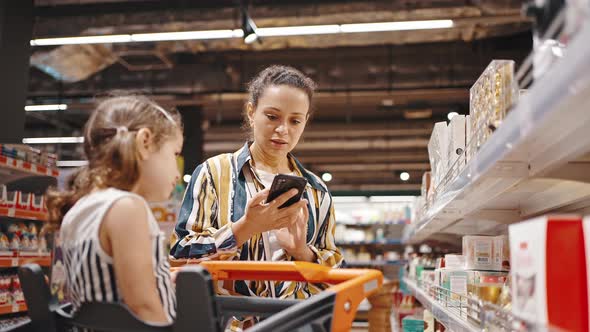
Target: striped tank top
(90, 275)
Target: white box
(456, 149)
(437, 153)
(549, 278)
(480, 253)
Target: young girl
(113, 249)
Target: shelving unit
(13, 169)
(451, 321)
(536, 162)
(23, 214)
(12, 308)
(42, 260)
(25, 177)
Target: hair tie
(122, 130)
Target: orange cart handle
(279, 271)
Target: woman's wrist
(304, 255)
(242, 231)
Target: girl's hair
(109, 146)
(278, 75)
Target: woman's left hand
(294, 238)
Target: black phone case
(283, 183)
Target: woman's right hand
(263, 217)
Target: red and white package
(24, 200)
(37, 203)
(549, 278)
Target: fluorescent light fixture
(404, 176)
(249, 28)
(396, 26)
(39, 108)
(187, 35)
(299, 30)
(451, 115)
(186, 178)
(72, 163)
(327, 177)
(106, 39)
(53, 140)
(239, 33)
(250, 38)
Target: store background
(380, 94)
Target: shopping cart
(333, 309)
(200, 309)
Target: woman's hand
(293, 238)
(262, 217)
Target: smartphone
(283, 183)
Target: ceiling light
(39, 108)
(187, 35)
(108, 39)
(186, 178)
(249, 32)
(396, 26)
(404, 176)
(249, 28)
(451, 115)
(53, 140)
(327, 177)
(72, 163)
(299, 30)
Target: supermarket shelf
(13, 169)
(6, 262)
(11, 324)
(448, 319)
(536, 162)
(23, 214)
(12, 308)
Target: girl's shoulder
(95, 204)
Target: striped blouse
(90, 275)
(216, 197)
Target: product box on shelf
(24, 200)
(37, 203)
(490, 98)
(455, 262)
(549, 273)
(10, 200)
(502, 252)
(456, 142)
(437, 153)
(454, 281)
(480, 253)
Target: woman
(224, 214)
